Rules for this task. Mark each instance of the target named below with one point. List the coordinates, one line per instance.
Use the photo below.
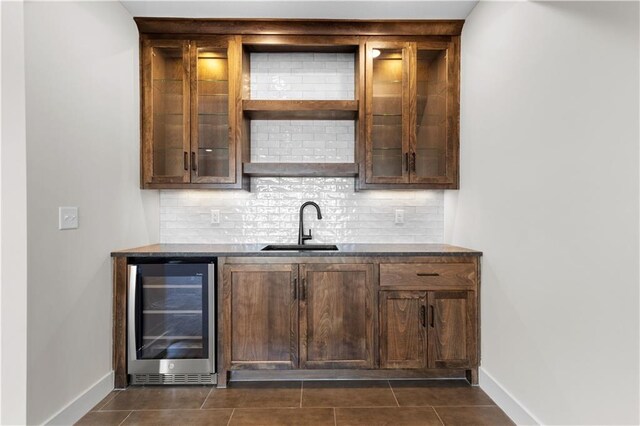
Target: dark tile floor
(411, 402)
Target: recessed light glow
(209, 150)
(375, 53)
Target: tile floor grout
(438, 416)
(393, 393)
(231, 416)
(125, 419)
(335, 420)
(114, 393)
(301, 391)
(207, 397)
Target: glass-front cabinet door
(165, 111)
(188, 113)
(432, 128)
(412, 112)
(387, 112)
(213, 150)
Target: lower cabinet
(264, 306)
(427, 329)
(310, 314)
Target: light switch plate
(67, 217)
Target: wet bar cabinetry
(197, 105)
(188, 113)
(412, 114)
(356, 317)
(363, 312)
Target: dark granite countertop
(169, 250)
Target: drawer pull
(428, 274)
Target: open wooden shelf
(301, 169)
(300, 110)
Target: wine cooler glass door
(171, 326)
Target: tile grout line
(207, 397)
(115, 393)
(393, 393)
(125, 419)
(437, 415)
(301, 390)
(231, 416)
(335, 420)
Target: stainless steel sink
(298, 247)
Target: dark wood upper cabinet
(412, 114)
(260, 302)
(197, 105)
(189, 90)
(336, 316)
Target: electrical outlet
(67, 218)
(215, 217)
(399, 217)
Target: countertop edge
(158, 250)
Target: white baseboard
(503, 398)
(84, 402)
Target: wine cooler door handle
(131, 320)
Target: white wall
(13, 214)
(549, 178)
(82, 150)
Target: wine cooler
(171, 321)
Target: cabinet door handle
(295, 288)
(432, 319)
(427, 274)
(194, 166)
(413, 161)
(303, 290)
(186, 161)
(423, 316)
(406, 161)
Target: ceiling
(327, 9)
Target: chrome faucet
(302, 237)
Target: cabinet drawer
(431, 275)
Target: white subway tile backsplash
(269, 213)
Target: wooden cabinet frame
(378, 365)
(410, 178)
(190, 177)
(271, 35)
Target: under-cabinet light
(375, 53)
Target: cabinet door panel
(387, 112)
(403, 332)
(451, 329)
(263, 316)
(336, 323)
(434, 127)
(212, 110)
(165, 103)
